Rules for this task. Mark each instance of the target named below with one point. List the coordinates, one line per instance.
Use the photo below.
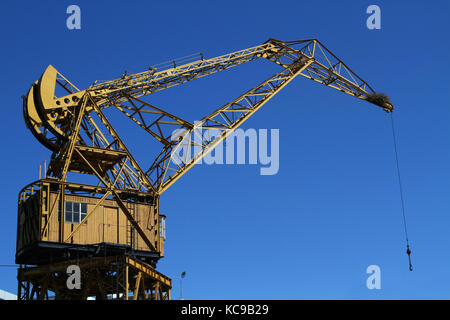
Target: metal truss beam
(169, 166)
(113, 277)
(124, 94)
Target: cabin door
(111, 225)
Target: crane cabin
(54, 225)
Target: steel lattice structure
(74, 127)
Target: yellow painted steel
(96, 280)
(82, 140)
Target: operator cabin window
(162, 226)
(75, 212)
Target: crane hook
(408, 252)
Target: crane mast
(72, 124)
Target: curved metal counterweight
(34, 122)
(45, 115)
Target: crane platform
(113, 277)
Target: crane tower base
(114, 277)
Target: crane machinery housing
(113, 229)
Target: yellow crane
(113, 229)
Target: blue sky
(333, 209)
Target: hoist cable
(408, 250)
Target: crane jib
(50, 117)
